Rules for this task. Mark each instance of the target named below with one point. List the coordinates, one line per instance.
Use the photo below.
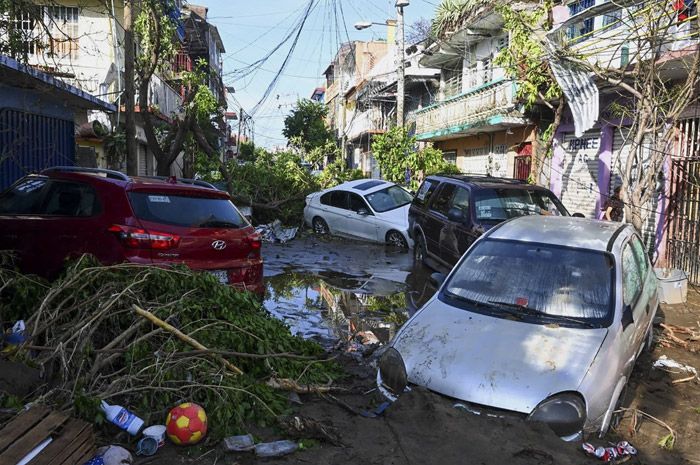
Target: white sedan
(368, 209)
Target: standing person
(613, 210)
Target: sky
(250, 29)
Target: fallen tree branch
(286, 384)
(182, 336)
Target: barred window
(62, 23)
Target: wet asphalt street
(330, 289)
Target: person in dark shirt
(614, 207)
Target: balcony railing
(368, 121)
(469, 108)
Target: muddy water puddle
(332, 291)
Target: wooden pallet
(73, 440)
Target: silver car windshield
(389, 199)
(502, 204)
(534, 281)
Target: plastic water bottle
(122, 418)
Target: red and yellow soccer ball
(186, 424)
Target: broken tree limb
(286, 384)
(184, 337)
(671, 335)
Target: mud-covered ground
(348, 295)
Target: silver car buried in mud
(544, 317)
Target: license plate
(221, 275)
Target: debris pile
(149, 338)
(680, 336)
(274, 232)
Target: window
(450, 156)
(581, 5)
(640, 255)
(441, 204)
(486, 71)
(502, 204)
(579, 29)
(71, 199)
(191, 212)
(62, 23)
(453, 82)
(357, 203)
(612, 20)
(24, 198)
(631, 276)
(460, 200)
(337, 199)
(389, 199)
(425, 192)
(477, 151)
(556, 284)
(25, 29)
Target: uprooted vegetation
(92, 335)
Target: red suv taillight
(136, 238)
(255, 244)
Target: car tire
(320, 226)
(396, 239)
(649, 339)
(419, 251)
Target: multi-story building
(375, 104)
(476, 121)
(348, 71)
(585, 169)
(83, 46)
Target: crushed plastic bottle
(275, 449)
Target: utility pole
(238, 139)
(400, 86)
(132, 158)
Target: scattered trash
(147, 446)
(156, 432)
(381, 408)
(274, 232)
(239, 443)
(609, 454)
(122, 418)
(671, 366)
(186, 424)
(34, 452)
(111, 455)
(15, 336)
(275, 449)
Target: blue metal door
(31, 142)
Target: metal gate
(31, 142)
(683, 247)
(522, 167)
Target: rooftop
(559, 230)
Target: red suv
(68, 211)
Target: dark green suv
(450, 211)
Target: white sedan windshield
(535, 278)
(389, 199)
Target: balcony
(370, 121)
(163, 98)
(490, 104)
